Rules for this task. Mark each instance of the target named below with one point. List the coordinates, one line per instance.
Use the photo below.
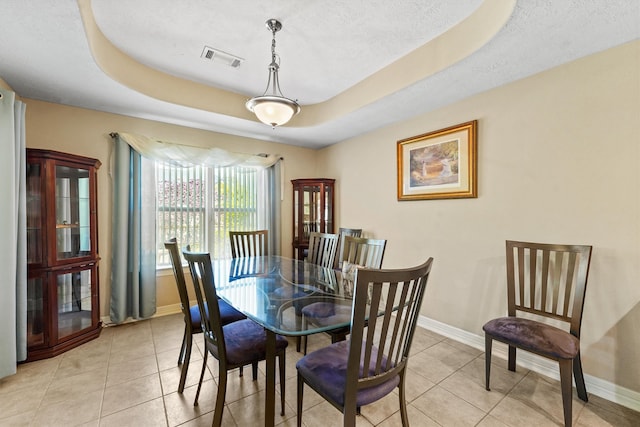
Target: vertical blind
(199, 206)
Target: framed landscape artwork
(439, 164)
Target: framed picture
(439, 164)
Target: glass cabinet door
(74, 290)
(73, 226)
(35, 234)
(312, 211)
(35, 311)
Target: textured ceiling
(326, 49)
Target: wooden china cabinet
(313, 204)
(63, 310)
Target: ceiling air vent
(217, 55)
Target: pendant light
(272, 108)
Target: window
(199, 206)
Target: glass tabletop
(273, 290)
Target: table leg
(270, 398)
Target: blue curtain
(133, 261)
(13, 263)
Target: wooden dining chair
(343, 232)
(372, 363)
(191, 313)
(358, 252)
(544, 281)
(322, 248)
(234, 345)
(249, 243)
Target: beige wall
(558, 157)
(86, 133)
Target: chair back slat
(322, 249)
(249, 243)
(548, 280)
(385, 312)
(205, 289)
(362, 251)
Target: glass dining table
(272, 290)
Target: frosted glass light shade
(273, 110)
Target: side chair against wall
(249, 243)
(343, 232)
(234, 345)
(372, 363)
(544, 281)
(191, 313)
(322, 249)
(358, 252)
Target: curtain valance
(185, 155)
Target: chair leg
(512, 358)
(282, 360)
(222, 391)
(566, 386)
(403, 401)
(204, 367)
(185, 362)
(182, 347)
(299, 400)
(577, 374)
(488, 343)
(299, 327)
(254, 370)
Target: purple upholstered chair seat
(326, 371)
(245, 342)
(325, 313)
(228, 315)
(534, 336)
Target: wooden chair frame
(547, 281)
(249, 243)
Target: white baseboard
(596, 386)
(164, 310)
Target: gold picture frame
(439, 165)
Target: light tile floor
(129, 377)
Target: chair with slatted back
(343, 232)
(322, 251)
(191, 313)
(249, 243)
(322, 248)
(358, 252)
(372, 363)
(234, 345)
(544, 281)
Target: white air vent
(217, 55)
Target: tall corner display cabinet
(313, 210)
(63, 309)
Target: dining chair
(372, 363)
(343, 232)
(249, 243)
(234, 345)
(191, 313)
(322, 248)
(544, 281)
(358, 252)
(321, 251)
